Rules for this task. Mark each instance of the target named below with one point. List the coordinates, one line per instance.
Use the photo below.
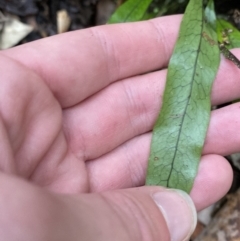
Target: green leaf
(210, 15)
(130, 11)
(227, 32)
(180, 130)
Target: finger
(33, 212)
(134, 215)
(226, 87)
(148, 213)
(126, 167)
(81, 63)
(222, 137)
(130, 107)
(113, 116)
(208, 188)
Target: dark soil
(42, 15)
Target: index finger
(76, 65)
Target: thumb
(146, 213)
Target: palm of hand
(32, 123)
(50, 144)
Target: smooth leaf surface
(130, 11)
(211, 15)
(180, 130)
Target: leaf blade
(130, 11)
(179, 132)
(232, 37)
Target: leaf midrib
(185, 110)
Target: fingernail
(179, 212)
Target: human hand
(76, 114)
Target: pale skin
(77, 112)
